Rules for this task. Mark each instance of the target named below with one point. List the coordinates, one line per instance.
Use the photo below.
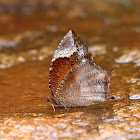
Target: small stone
(21, 59)
(129, 56)
(115, 49)
(33, 51)
(2, 66)
(40, 58)
(135, 97)
(97, 49)
(17, 126)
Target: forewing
(66, 57)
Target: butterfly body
(74, 79)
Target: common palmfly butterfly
(74, 79)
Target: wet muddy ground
(29, 35)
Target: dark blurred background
(62, 15)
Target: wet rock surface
(28, 39)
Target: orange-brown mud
(30, 33)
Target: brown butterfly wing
(65, 58)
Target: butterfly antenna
(34, 93)
(65, 107)
(45, 106)
(38, 94)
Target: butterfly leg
(53, 106)
(64, 106)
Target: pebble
(129, 56)
(21, 59)
(97, 49)
(135, 96)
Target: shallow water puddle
(25, 55)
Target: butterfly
(74, 78)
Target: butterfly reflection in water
(74, 79)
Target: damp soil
(28, 38)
